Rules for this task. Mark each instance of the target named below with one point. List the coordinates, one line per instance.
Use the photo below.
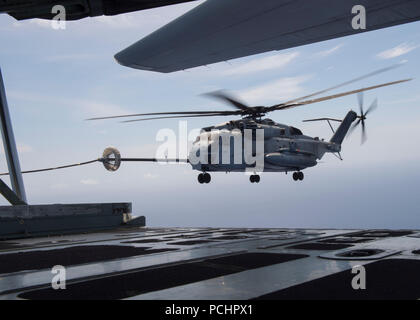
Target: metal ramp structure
(24, 220)
(213, 264)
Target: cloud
(329, 52)
(21, 148)
(403, 101)
(151, 176)
(24, 148)
(118, 21)
(122, 21)
(93, 108)
(89, 182)
(262, 64)
(152, 18)
(41, 23)
(71, 57)
(90, 108)
(275, 91)
(397, 51)
(59, 186)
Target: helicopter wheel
(254, 178)
(207, 177)
(298, 176)
(204, 178)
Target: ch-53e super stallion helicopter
(286, 148)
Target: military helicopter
(285, 148)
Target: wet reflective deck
(211, 263)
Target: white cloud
(403, 101)
(41, 23)
(152, 18)
(150, 176)
(397, 51)
(329, 52)
(262, 64)
(144, 20)
(24, 148)
(59, 186)
(118, 21)
(93, 108)
(89, 182)
(276, 91)
(90, 108)
(21, 148)
(71, 57)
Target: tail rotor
(363, 115)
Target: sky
(55, 79)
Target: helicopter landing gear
(254, 178)
(298, 176)
(204, 178)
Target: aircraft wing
(219, 30)
(78, 9)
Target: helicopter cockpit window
(295, 131)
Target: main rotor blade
(185, 116)
(372, 107)
(161, 113)
(343, 84)
(336, 95)
(360, 100)
(228, 98)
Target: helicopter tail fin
(344, 127)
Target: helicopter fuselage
(252, 145)
(285, 148)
